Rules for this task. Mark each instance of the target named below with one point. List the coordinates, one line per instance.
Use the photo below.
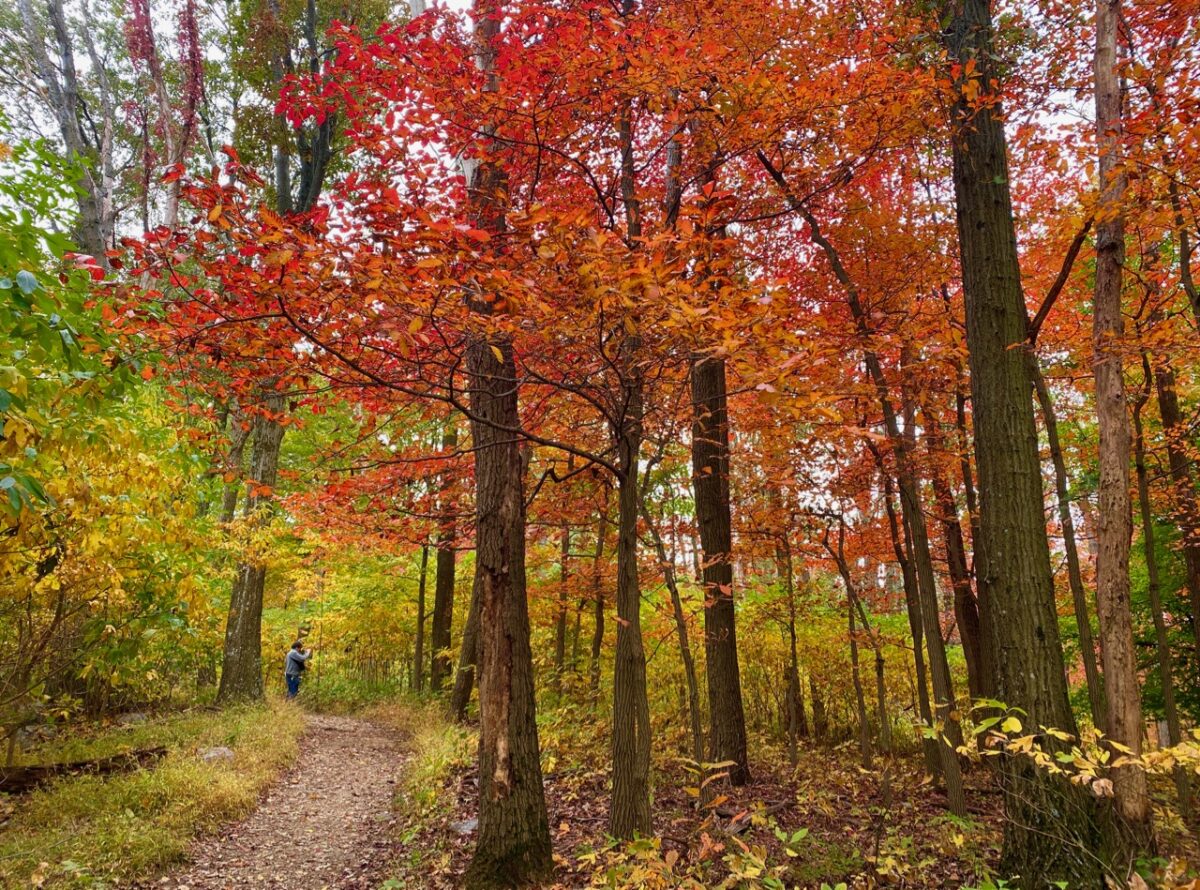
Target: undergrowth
(96, 831)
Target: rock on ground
(326, 824)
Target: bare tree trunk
(1162, 646)
(468, 659)
(1052, 827)
(418, 668)
(681, 634)
(1122, 691)
(241, 672)
(1087, 644)
(513, 845)
(710, 482)
(443, 588)
(598, 599)
(564, 571)
(1186, 508)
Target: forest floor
(327, 823)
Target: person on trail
(297, 661)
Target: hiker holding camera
(294, 666)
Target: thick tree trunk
(241, 671)
(418, 668)
(239, 433)
(443, 585)
(1087, 644)
(513, 844)
(710, 482)
(1122, 693)
(1166, 670)
(631, 710)
(1052, 827)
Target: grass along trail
(327, 823)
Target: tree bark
(598, 599)
(1186, 508)
(1122, 692)
(513, 845)
(418, 668)
(1052, 829)
(1166, 670)
(468, 659)
(241, 671)
(710, 481)
(1087, 644)
(443, 587)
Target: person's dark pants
(293, 684)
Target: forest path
(327, 823)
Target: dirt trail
(326, 824)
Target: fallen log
(22, 779)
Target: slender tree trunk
(901, 548)
(1052, 827)
(685, 646)
(468, 659)
(797, 723)
(560, 629)
(1186, 508)
(820, 718)
(860, 703)
(1122, 692)
(1162, 646)
(443, 585)
(418, 668)
(966, 607)
(598, 599)
(241, 671)
(513, 844)
(1087, 645)
(710, 482)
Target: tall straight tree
(513, 847)
(710, 481)
(1115, 530)
(1053, 829)
(443, 585)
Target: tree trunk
(468, 659)
(564, 572)
(1087, 645)
(820, 719)
(241, 671)
(1186, 512)
(418, 668)
(901, 548)
(685, 646)
(443, 587)
(1122, 693)
(598, 599)
(710, 481)
(631, 710)
(1051, 828)
(513, 844)
(966, 607)
(1162, 646)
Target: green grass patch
(93, 831)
